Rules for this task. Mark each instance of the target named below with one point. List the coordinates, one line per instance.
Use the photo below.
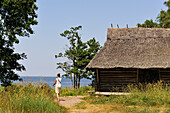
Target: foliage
(148, 24)
(164, 16)
(75, 92)
(156, 94)
(28, 98)
(79, 55)
(16, 19)
(163, 19)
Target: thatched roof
(134, 48)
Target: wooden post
(97, 74)
(137, 78)
(159, 75)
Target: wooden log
(119, 76)
(111, 93)
(117, 71)
(111, 84)
(115, 78)
(164, 76)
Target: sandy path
(70, 101)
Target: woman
(58, 85)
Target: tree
(148, 24)
(164, 16)
(163, 19)
(79, 55)
(16, 19)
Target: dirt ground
(70, 101)
(76, 104)
(73, 103)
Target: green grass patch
(28, 98)
(75, 92)
(145, 110)
(157, 94)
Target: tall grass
(28, 98)
(75, 92)
(156, 94)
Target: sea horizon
(66, 82)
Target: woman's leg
(57, 96)
(59, 93)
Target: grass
(150, 98)
(157, 94)
(75, 92)
(28, 98)
(144, 98)
(86, 106)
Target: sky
(95, 16)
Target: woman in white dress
(58, 85)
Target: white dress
(58, 85)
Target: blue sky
(95, 16)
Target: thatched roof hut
(134, 48)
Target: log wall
(115, 79)
(165, 75)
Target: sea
(66, 82)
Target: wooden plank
(164, 76)
(118, 74)
(118, 77)
(164, 70)
(137, 76)
(110, 79)
(97, 73)
(117, 71)
(111, 93)
(120, 81)
(109, 86)
(116, 83)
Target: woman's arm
(55, 82)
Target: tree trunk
(76, 81)
(77, 75)
(79, 82)
(71, 80)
